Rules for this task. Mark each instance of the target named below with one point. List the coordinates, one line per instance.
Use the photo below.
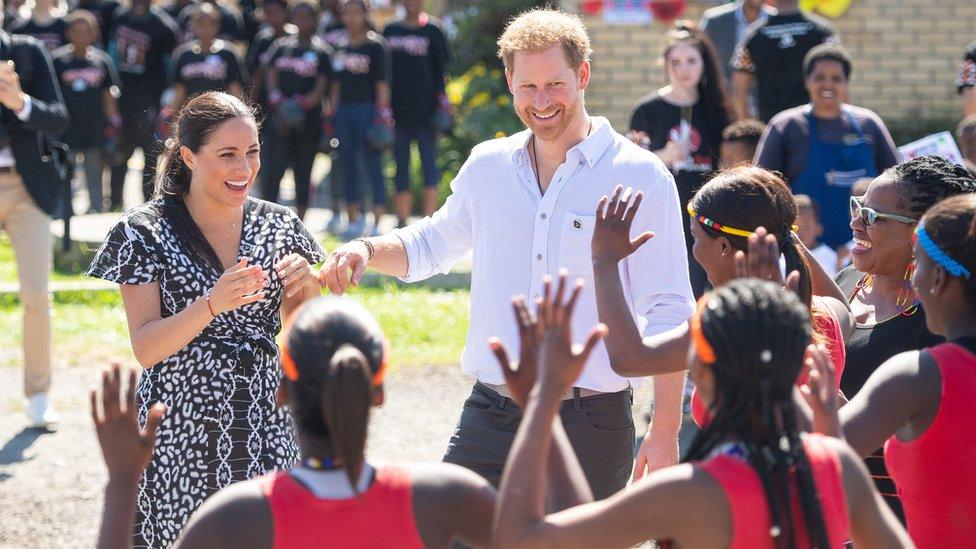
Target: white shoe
(40, 413)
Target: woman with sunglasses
(929, 438)
(889, 317)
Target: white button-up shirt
(518, 235)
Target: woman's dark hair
(711, 87)
(337, 347)
(196, 122)
(952, 226)
(296, 5)
(748, 131)
(759, 334)
(927, 180)
(749, 197)
(827, 52)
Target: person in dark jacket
(31, 110)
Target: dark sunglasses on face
(870, 216)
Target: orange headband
(702, 347)
(291, 370)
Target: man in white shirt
(525, 205)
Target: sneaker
(335, 224)
(40, 413)
(355, 229)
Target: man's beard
(568, 115)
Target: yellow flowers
(480, 99)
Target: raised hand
(762, 261)
(820, 391)
(520, 376)
(614, 218)
(126, 448)
(351, 257)
(560, 362)
(295, 273)
(238, 286)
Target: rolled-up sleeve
(435, 243)
(657, 274)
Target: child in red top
(749, 478)
(931, 435)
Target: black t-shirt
(83, 82)
(50, 34)
(104, 12)
(332, 31)
(212, 70)
(299, 65)
(144, 44)
(662, 122)
(867, 348)
(358, 68)
(419, 57)
(231, 22)
(257, 59)
(774, 52)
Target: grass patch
(424, 326)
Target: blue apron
(831, 170)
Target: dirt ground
(51, 483)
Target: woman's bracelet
(210, 307)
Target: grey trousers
(600, 428)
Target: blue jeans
(92, 165)
(428, 156)
(351, 122)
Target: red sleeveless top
(935, 473)
(382, 516)
(751, 519)
(827, 325)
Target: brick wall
(905, 56)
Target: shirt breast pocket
(575, 244)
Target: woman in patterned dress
(206, 274)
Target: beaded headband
(702, 347)
(727, 230)
(966, 75)
(939, 255)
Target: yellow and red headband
(712, 224)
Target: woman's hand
(238, 286)
(611, 235)
(762, 261)
(639, 138)
(126, 448)
(561, 362)
(674, 152)
(820, 392)
(295, 273)
(520, 376)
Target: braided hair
(754, 375)
(926, 180)
(951, 224)
(748, 197)
(337, 350)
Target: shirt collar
(740, 13)
(590, 148)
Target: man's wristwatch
(370, 250)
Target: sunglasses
(870, 216)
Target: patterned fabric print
(221, 424)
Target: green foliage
(479, 24)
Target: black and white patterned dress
(221, 424)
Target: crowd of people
(752, 230)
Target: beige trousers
(30, 234)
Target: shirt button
(537, 296)
(543, 216)
(539, 257)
